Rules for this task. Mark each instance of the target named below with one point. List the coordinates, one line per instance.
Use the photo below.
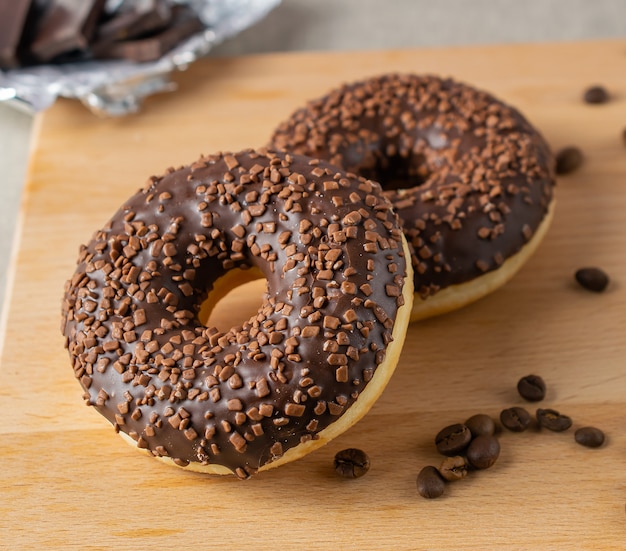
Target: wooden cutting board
(69, 482)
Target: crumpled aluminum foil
(116, 88)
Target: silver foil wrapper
(116, 88)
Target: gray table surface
(349, 25)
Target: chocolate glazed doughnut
(470, 178)
(313, 359)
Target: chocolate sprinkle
(464, 171)
(243, 397)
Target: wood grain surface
(68, 482)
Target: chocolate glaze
(240, 398)
(470, 178)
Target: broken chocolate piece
(13, 26)
(13, 19)
(65, 26)
(184, 24)
(138, 19)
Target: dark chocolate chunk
(65, 26)
(592, 279)
(13, 16)
(568, 159)
(184, 24)
(135, 19)
(596, 94)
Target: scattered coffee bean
(596, 94)
(532, 388)
(553, 420)
(592, 279)
(453, 439)
(481, 424)
(483, 452)
(430, 484)
(624, 136)
(515, 419)
(453, 468)
(351, 463)
(589, 436)
(568, 160)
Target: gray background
(350, 25)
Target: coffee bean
(515, 419)
(453, 439)
(592, 279)
(532, 388)
(553, 420)
(351, 463)
(624, 136)
(568, 160)
(589, 436)
(483, 451)
(430, 484)
(481, 424)
(453, 468)
(596, 94)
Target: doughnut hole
(398, 172)
(235, 298)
